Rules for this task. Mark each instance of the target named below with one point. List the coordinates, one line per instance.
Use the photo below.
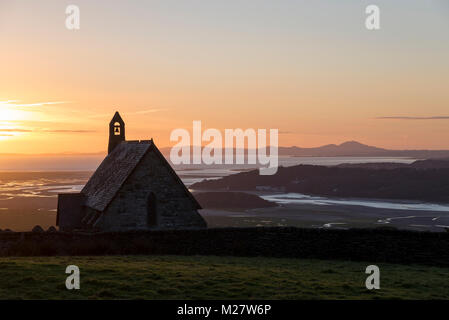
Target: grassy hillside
(208, 277)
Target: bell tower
(116, 132)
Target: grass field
(209, 277)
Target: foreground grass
(208, 277)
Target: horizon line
(100, 153)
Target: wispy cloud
(15, 130)
(13, 103)
(68, 131)
(415, 118)
(7, 101)
(104, 115)
(20, 130)
(148, 111)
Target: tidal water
(297, 198)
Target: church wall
(128, 210)
(70, 211)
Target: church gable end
(152, 197)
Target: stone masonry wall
(368, 245)
(128, 210)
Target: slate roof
(112, 173)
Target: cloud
(15, 130)
(7, 101)
(148, 111)
(13, 103)
(104, 115)
(68, 131)
(415, 118)
(29, 123)
(47, 130)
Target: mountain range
(357, 149)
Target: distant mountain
(351, 149)
(357, 149)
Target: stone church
(134, 188)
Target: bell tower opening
(116, 132)
(116, 129)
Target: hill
(425, 181)
(231, 200)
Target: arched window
(151, 210)
(116, 129)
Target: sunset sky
(308, 68)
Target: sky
(308, 68)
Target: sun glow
(8, 113)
